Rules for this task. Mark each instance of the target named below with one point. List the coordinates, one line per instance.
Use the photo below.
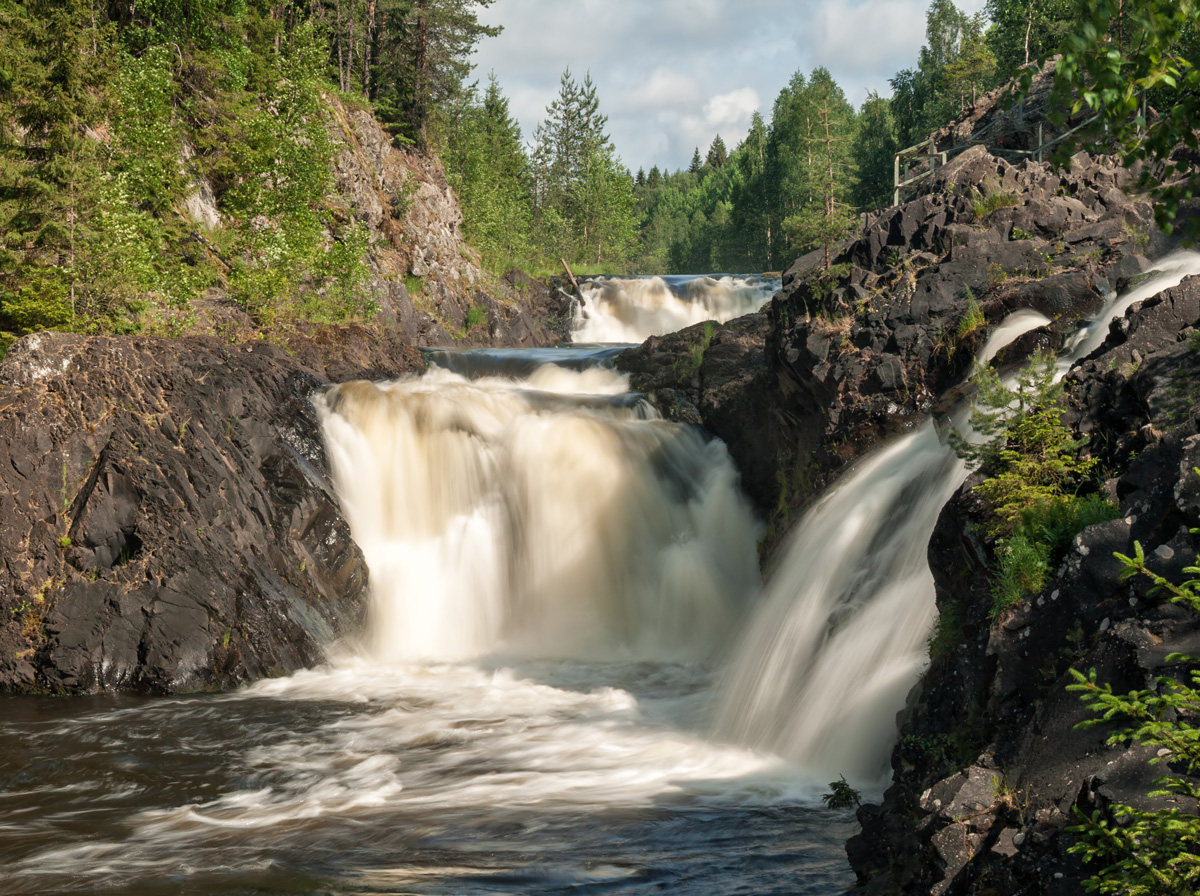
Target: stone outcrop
(425, 279)
(855, 355)
(991, 767)
(166, 517)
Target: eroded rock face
(838, 363)
(994, 702)
(404, 200)
(166, 517)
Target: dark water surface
(428, 780)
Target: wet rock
(166, 521)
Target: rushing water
(558, 582)
(556, 576)
(630, 310)
(841, 635)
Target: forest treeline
(112, 112)
(797, 181)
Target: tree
(717, 154)
(874, 148)
(827, 219)
(1027, 30)
(974, 65)
(422, 53)
(487, 166)
(583, 196)
(1155, 852)
(58, 99)
(697, 164)
(924, 99)
(1118, 51)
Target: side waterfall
(841, 635)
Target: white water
(537, 518)
(842, 634)
(633, 309)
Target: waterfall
(633, 309)
(554, 515)
(841, 635)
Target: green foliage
(1022, 565)
(1118, 50)
(417, 63)
(1026, 452)
(583, 202)
(992, 198)
(488, 168)
(1024, 31)
(873, 149)
(414, 285)
(841, 795)
(973, 320)
(1041, 538)
(1152, 852)
(698, 350)
(475, 316)
(1033, 471)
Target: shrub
(1155, 852)
(973, 320)
(1021, 569)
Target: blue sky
(671, 74)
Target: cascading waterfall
(840, 637)
(551, 516)
(633, 309)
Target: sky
(672, 74)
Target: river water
(557, 577)
(571, 679)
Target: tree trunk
(1028, 31)
(419, 64)
(368, 43)
(340, 49)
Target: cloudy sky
(671, 74)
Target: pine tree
(422, 55)
(58, 98)
(717, 154)
(697, 163)
(583, 196)
(487, 166)
(827, 218)
(874, 148)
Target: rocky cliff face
(990, 768)
(424, 278)
(166, 516)
(841, 360)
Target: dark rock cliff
(166, 517)
(841, 360)
(991, 768)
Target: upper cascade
(631, 310)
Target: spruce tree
(58, 99)
(717, 154)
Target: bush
(1021, 569)
(1157, 852)
(1032, 468)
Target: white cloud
(671, 74)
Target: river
(557, 579)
